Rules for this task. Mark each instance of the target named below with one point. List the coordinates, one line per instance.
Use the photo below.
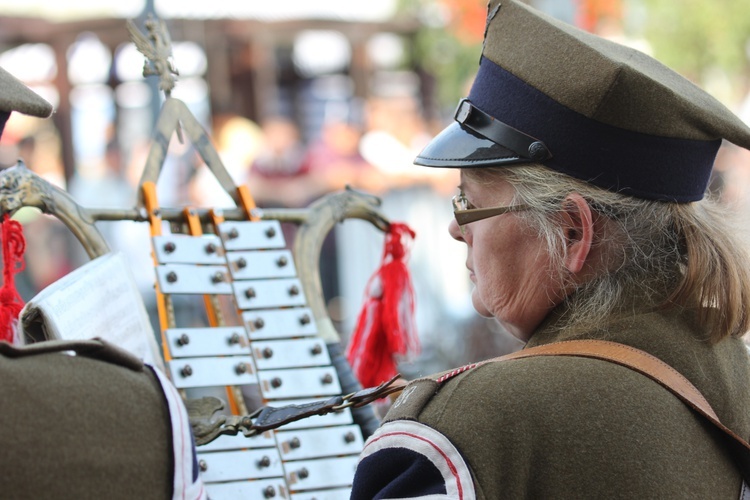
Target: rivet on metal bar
(327, 379)
(316, 350)
(264, 462)
(282, 261)
(295, 443)
(259, 323)
(218, 277)
(305, 320)
(241, 263)
(250, 293)
(276, 382)
(349, 437)
(267, 353)
(241, 368)
(233, 233)
(293, 290)
(210, 248)
(234, 338)
(171, 277)
(170, 247)
(270, 232)
(186, 371)
(183, 340)
(269, 492)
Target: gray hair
(687, 255)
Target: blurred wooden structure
(248, 60)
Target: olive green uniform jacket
(568, 427)
(97, 425)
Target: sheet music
(99, 299)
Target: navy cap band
(634, 163)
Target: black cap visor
(476, 139)
(459, 147)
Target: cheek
(512, 278)
(496, 274)
(496, 281)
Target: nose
(455, 230)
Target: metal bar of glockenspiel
(296, 216)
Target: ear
(578, 229)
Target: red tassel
(386, 328)
(11, 303)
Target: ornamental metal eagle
(157, 47)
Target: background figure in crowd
(276, 176)
(114, 427)
(583, 170)
(333, 160)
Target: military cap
(550, 93)
(15, 96)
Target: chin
(479, 306)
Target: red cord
(11, 303)
(386, 328)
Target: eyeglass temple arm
(475, 214)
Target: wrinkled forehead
(490, 176)
(485, 180)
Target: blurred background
(303, 98)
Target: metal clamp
(206, 428)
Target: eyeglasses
(464, 215)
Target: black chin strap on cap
(506, 136)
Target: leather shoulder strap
(630, 357)
(652, 367)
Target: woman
(584, 165)
(587, 246)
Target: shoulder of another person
(95, 348)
